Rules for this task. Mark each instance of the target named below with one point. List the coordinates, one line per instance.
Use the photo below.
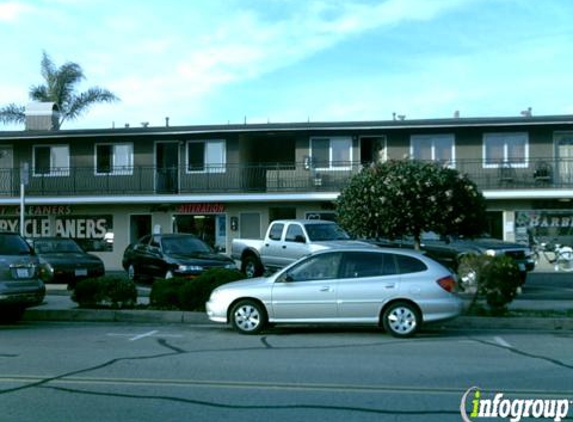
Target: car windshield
(184, 245)
(320, 232)
(14, 245)
(56, 246)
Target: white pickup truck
(285, 242)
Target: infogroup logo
(513, 409)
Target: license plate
(22, 273)
(81, 272)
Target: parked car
(20, 283)
(171, 255)
(285, 242)
(448, 250)
(66, 260)
(398, 289)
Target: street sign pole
(24, 179)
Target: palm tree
(60, 89)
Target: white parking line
(144, 335)
(502, 342)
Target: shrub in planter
(495, 279)
(194, 293)
(107, 291)
(165, 293)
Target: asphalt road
(167, 372)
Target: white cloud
(12, 11)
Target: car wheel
(252, 267)
(401, 319)
(248, 317)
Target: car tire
(251, 267)
(401, 319)
(248, 317)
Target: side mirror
(299, 238)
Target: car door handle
(390, 286)
(325, 289)
(284, 246)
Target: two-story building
(108, 187)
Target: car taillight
(447, 283)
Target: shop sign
(37, 210)
(544, 225)
(200, 208)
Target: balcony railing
(540, 173)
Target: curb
(110, 315)
(183, 317)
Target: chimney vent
(42, 116)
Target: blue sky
(224, 61)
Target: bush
(165, 293)
(190, 295)
(108, 291)
(194, 294)
(495, 279)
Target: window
(320, 267)
(505, 148)
(206, 156)
(360, 264)
(114, 159)
(433, 148)
(51, 160)
(294, 234)
(330, 153)
(276, 231)
(408, 264)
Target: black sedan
(66, 260)
(171, 255)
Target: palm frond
(40, 93)
(86, 99)
(12, 113)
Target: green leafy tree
(407, 197)
(60, 88)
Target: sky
(257, 61)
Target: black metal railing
(534, 173)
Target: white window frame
(331, 166)
(505, 159)
(219, 167)
(116, 169)
(61, 171)
(433, 138)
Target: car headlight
(490, 252)
(231, 266)
(190, 268)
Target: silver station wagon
(397, 289)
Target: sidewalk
(58, 306)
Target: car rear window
(409, 264)
(13, 245)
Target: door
(6, 169)
(307, 293)
(271, 252)
(167, 167)
(565, 159)
(367, 280)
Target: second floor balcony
(538, 173)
